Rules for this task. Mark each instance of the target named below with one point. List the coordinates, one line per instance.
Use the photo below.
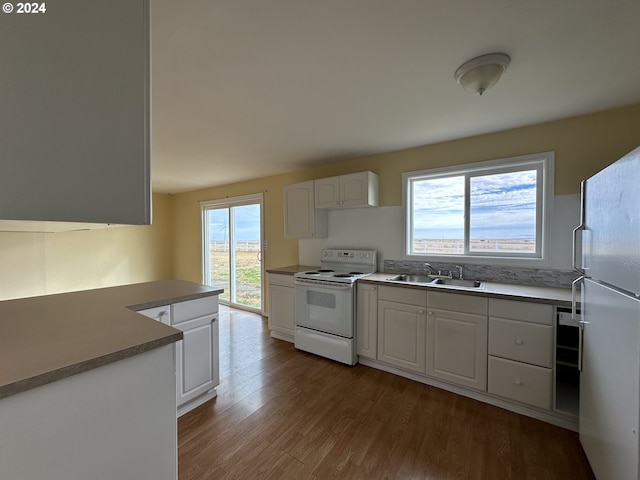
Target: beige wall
(36, 264)
(42, 263)
(583, 146)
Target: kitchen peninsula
(88, 386)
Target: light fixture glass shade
(481, 73)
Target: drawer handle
(519, 383)
(519, 341)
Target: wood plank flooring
(285, 414)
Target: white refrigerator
(609, 235)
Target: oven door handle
(321, 284)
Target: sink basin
(411, 278)
(456, 282)
(444, 281)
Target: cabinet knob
(519, 383)
(519, 341)
(422, 311)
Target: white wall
(381, 229)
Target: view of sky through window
(502, 213)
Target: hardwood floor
(282, 413)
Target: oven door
(326, 307)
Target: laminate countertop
(47, 338)
(558, 296)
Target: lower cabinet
(521, 352)
(457, 339)
(402, 328)
(499, 351)
(281, 306)
(521, 382)
(197, 359)
(197, 354)
(367, 320)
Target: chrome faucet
(459, 267)
(430, 269)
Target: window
(488, 209)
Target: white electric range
(325, 303)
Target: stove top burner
(325, 270)
(343, 275)
(356, 273)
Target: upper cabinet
(347, 191)
(75, 131)
(301, 219)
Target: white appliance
(610, 326)
(325, 303)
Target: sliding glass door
(232, 249)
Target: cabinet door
(327, 192)
(354, 189)
(281, 304)
(300, 219)
(457, 347)
(367, 321)
(197, 368)
(75, 132)
(402, 335)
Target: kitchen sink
(433, 280)
(412, 278)
(456, 282)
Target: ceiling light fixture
(481, 73)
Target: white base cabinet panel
(367, 320)
(457, 347)
(281, 306)
(114, 422)
(197, 354)
(197, 359)
(402, 332)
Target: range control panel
(352, 257)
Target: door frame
(228, 202)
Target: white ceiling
(244, 89)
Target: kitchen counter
(292, 269)
(48, 338)
(507, 291)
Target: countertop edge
(71, 370)
(182, 291)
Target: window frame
(542, 162)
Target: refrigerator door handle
(579, 228)
(574, 317)
(574, 301)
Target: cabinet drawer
(457, 303)
(521, 341)
(524, 311)
(281, 279)
(183, 311)
(411, 296)
(520, 382)
(161, 314)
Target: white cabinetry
(367, 320)
(402, 327)
(301, 219)
(197, 363)
(75, 130)
(457, 339)
(161, 314)
(521, 352)
(347, 191)
(281, 305)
